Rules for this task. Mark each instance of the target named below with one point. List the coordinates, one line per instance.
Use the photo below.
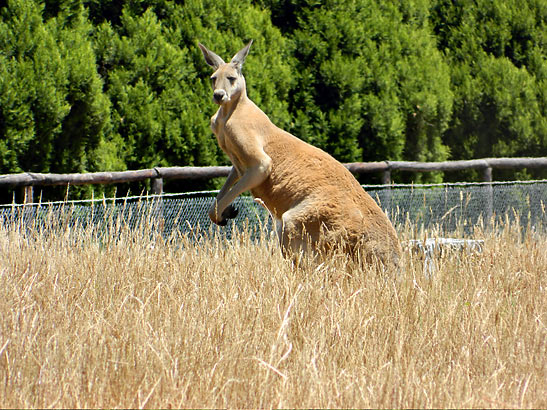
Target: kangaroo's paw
(229, 213)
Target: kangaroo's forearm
(233, 176)
(252, 178)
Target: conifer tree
(372, 86)
(53, 111)
(112, 85)
(496, 51)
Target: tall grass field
(135, 319)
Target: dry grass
(138, 321)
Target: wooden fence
(28, 180)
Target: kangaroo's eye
(213, 80)
(232, 80)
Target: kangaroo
(315, 201)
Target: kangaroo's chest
(225, 139)
(218, 126)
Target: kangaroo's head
(227, 80)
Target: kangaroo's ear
(239, 58)
(211, 58)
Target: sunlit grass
(134, 319)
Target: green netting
(446, 206)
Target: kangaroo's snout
(219, 96)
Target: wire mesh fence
(446, 207)
(464, 205)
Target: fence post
(157, 186)
(157, 209)
(487, 177)
(386, 177)
(386, 180)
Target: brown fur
(312, 196)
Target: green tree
(53, 114)
(88, 85)
(153, 107)
(372, 84)
(496, 51)
(33, 81)
(159, 85)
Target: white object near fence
(433, 248)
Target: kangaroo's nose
(219, 96)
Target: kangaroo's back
(304, 173)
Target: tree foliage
(88, 85)
(53, 112)
(496, 51)
(373, 84)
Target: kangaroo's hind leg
(298, 232)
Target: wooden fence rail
(28, 180)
